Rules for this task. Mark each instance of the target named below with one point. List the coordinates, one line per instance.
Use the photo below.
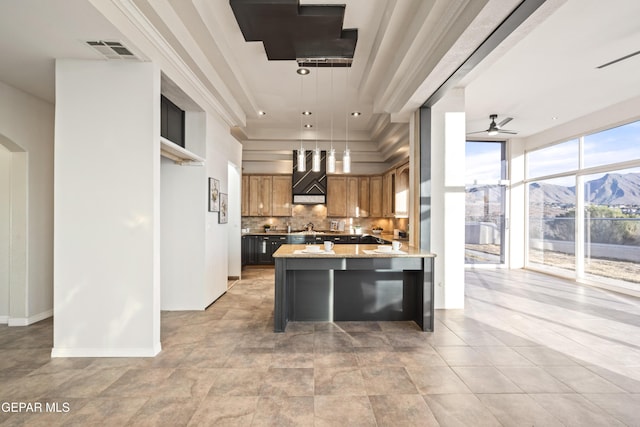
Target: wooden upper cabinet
(375, 196)
(388, 193)
(402, 191)
(363, 196)
(245, 195)
(282, 197)
(336, 196)
(266, 195)
(260, 189)
(353, 209)
(348, 196)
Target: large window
(552, 223)
(485, 193)
(612, 225)
(612, 146)
(552, 160)
(584, 208)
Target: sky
(610, 146)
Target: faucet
(309, 226)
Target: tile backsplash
(317, 214)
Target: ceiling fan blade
(507, 131)
(504, 122)
(480, 131)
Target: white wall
(198, 253)
(182, 236)
(107, 209)
(222, 148)
(183, 203)
(26, 129)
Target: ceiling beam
(520, 14)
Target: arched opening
(13, 231)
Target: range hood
(310, 188)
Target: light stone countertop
(350, 251)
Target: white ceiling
(405, 50)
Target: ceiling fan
(494, 128)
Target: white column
(107, 209)
(448, 199)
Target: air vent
(112, 50)
(324, 62)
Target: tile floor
(527, 350)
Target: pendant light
(346, 159)
(302, 156)
(331, 159)
(316, 153)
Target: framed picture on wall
(224, 209)
(214, 195)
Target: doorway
(485, 203)
(13, 232)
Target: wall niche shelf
(178, 154)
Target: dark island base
(306, 293)
(353, 295)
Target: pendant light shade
(346, 161)
(316, 160)
(331, 161)
(302, 160)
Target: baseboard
(233, 277)
(107, 352)
(26, 321)
(4, 320)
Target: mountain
(610, 189)
(614, 189)
(551, 193)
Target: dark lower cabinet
(340, 240)
(265, 247)
(264, 252)
(259, 249)
(248, 250)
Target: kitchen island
(353, 283)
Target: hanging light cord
(347, 111)
(332, 107)
(317, 130)
(301, 104)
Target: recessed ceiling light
(303, 71)
(356, 113)
(554, 118)
(306, 113)
(262, 113)
(308, 125)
